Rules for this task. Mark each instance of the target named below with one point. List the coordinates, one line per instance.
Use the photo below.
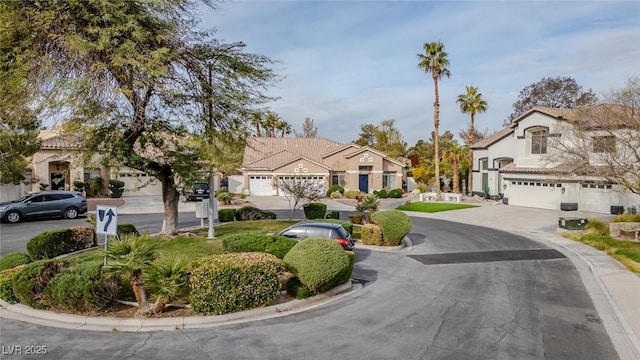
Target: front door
(363, 183)
(57, 181)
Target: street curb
(91, 323)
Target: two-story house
(524, 164)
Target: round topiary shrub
(335, 188)
(314, 210)
(381, 194)
(371, 234)
(226, 215)
(277, 246)
(319, 263)
(394, 223)
(81, 288)
(12, 260)
(233, 282)
(395, 193)
(124, 229)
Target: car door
(53, 204)
(33, 206)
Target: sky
(348, 63)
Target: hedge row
(12, 260)
(253, 213)
(314, 211)
(277, 246)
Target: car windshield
(200, 186)
(22, 198)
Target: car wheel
(71, 213)
(13, 217)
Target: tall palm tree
(271, 122)
(284, 128)
(434, 61)
(256, 120)
(471, 103)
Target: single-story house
(520, 164)
(267, 160)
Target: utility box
(572, 223)
(202, 209)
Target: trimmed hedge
(395, 193)
(29, 284)
(335, 188)
(333, 214)
(124, 229)
(394, 223)
(81, 288)
(52, 243)
(6, 286)
(297, 289)
(233, 282)
(314, 211)
(371, 234)
(277, 246)
(319, 263)
(226, 215)
(381, 194)
(12, 260)
(253, 213)
(85, 236)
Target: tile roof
(486, 142)
(51, 139)
(600, 115)
(268, 153)
(513, 168)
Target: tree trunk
(456, 178)
(170, 198)
(436, 126)
(158, 306)
(138, 288)
(472, 131)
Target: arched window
(539, 138)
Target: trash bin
(572, 223)
(617, 210)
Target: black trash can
(617, 210)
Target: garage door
(535, 194)
(597, 198)
(260, 185)
(316, 180)
(139, 183)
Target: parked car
(67, 204)
(198, 191)
(311, 229)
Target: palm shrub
(81, 288)
(395, 225)
(277, 246)
(314, 210)
(368, 205)
(335, 188)
(12, 260)
(371, 234)
(167, 281)
(319, 263)
(127, 256)
(224, 197)
(226, 215)
(233, 282)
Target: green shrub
(627, 218)
(12, 260)
(270, 215)
(84, 236)
(226, 215)
(394, 223)
(253, 213)
(115, 183)
(81, 288)
(422, 187)
(335, 188)
(351, 194)
(395, 193)
(297, 289)
(234, 282)
(314, 210)
(597, 226)
(357, 218)
(319, 263)
(224, 197)
(336, 195)
(124, 229)
(346, 274)
(52, 243)
(347, 225)
(116, 188)
(78, 185)
(371, 234)
(333, 214)
(277, 246)
(381, 194)
(29, 284)
(95, 187)
(6, 287)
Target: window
(389, 180)
(484, 164)
(539, 141)
(338, 178)
(604, 144)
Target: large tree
(434, 61)
(384, 137)
(137, 79)
(472, 103)
(604, 140)
(559, 92)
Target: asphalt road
(462, 292)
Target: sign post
(106, 223)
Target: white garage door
(260, 185)
(535, 194)
(597, 198)
(316, 180)
(139, 183)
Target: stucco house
(268, 160)
(522, 165)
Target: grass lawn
(431, 207)
(626, 252)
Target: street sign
(106, 220)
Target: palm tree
(284, 128)
(471, 103)
(434, 61)
(271, 122)
(256, 120)
(167, 280)
(369, 204)
(455, 154)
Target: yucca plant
(128, 256)
(369, 204)
(166, 280)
